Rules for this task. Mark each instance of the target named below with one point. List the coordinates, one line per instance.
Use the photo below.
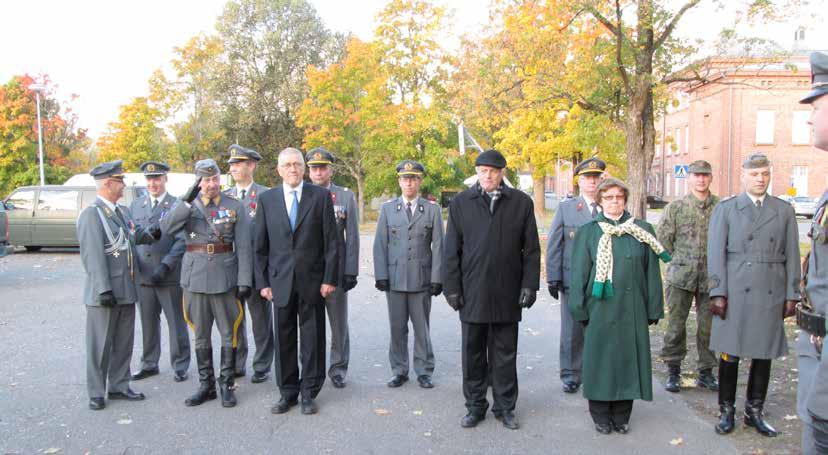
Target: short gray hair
(291, 151)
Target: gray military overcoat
(168, 249)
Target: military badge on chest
(252, 205)
(340, 212)
(223, 216)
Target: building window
(799, 180)
(800, 132)
(686, 139)
(764, 126)
(667, 188)
(678, 141)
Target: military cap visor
(319, 157)
(410, 168)
(819, 77)
(239, 153)
(154, 168)
(591, 166)
(109, 170)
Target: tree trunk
(639, 130)
(538, 195)
(360, 198)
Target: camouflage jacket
(683, 232)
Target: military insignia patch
(151, 167)
(408, 166)
(421, 208)
(317, 157)
(572, 235)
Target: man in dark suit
(296, 269)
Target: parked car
(656, 202)
(5, 249)
(45, 216)
(804, 206)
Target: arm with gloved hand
(381, 253)
(170, 260)
(175, 220)
(554, 255)
(531, 260)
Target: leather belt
(810, 321)
(210, 248)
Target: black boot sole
(191, 403)
(749, 422)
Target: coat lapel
(305, 204)
(110, 215)
(584, 210)
(766, 215)
(418, 211)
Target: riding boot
(227, 377)
(728, 379)
(757, 390)
(206, 378)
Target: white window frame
(800, 131)
(765, 126)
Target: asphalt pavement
(43, 402)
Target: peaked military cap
(154, 168)
(491, 158)
(590, 166)
(319, 157)
(410, 167)
(207, 168)
(239, 153)
(756, 161)
(700, 167)
(819, 77)
(110, 170)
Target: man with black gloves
(158, 277)
(216, 274)
(492, 272)
(408, 249)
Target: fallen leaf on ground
(676, 442)
(418, 413)
(381, 412)
(124, 421)
(790, 417)
(52, 450)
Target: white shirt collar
(754, 198)
(287, 189)
(108, 204)
(588, 201)
(246, 189)
(159, 198)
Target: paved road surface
(43, 396)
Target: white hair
(291, 151)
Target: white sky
(105, 50)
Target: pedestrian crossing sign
(681, 171)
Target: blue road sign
(681, 171)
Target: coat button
(749, 264)
(770, 292)
(747, 289)
(750, 237)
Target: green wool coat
(617, 362)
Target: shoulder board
(344, 188)
(230, 196)
(432, 202)
(728, 199)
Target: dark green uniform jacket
(617, 362)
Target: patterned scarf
(494, 195)
(602, 286)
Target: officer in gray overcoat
(408, 250)
(107, 236)
(159, 274)
(216, 275)
(571, 214)
(320, 169)
(812, 387)
(753, 272)
(243, 163)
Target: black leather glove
(159, 273)
(243, 292)
(382, 285)
(455, 301)
(555, 288)
(652, 321)
(107, 299)
(192, 192)
(155, 231)
(350, 282)
(435, 289)
(527, 298)
(585, 323)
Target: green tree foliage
(135, 137)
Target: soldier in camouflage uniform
(683, 232)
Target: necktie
(120, 215)
(154, 203)
(294, 210)
(759, 204)
(408, 210)
(593, 209)
(243, 192)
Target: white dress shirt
(289, 197)
(413, 204)
(754, 198)
(159, 199)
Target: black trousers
(311, 336)
(485, 346)
(606, 412)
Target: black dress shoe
(129, 395)
(309, 406)
(283, 405)
(509, 420)
(397, 381)
(96, 404)
(570, 386)
(180, 376)
(603, 428)
(425, 381)
(259, 377)
(241, 374)
(471, 420)
(143, 374)
(624, 428)
(338, 381)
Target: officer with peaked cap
(320, 170)
(491, 273)
(753, 273)
(216, 275)
(408, 250)
(243, 163)
(812, 387)
(159, 276)
(571, 214)
(107, 236)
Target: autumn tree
(135, 137)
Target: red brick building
(747, 107)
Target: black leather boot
(706, 380)
(206, 378)
(757, 389)
(673, 383)
(227, 377)
(728, 377)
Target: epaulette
(729, 198)
(231, 196)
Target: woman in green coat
(616, 292)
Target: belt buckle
(211, 248)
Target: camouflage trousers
(679, 302)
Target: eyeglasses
(291, 165)
(612, 197)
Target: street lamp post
(37, 88)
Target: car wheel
(33, 248)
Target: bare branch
(618, 44)
(672, 25)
